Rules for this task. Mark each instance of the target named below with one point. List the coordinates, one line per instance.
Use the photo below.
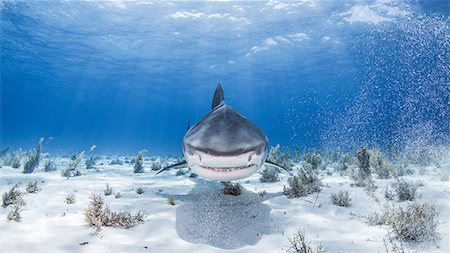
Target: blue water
(129, 75)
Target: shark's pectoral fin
(277, 166)
(181, 164)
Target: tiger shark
(224, 145)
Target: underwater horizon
(127, 76)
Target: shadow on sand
(223, 221)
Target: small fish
(224, 145)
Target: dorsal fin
(218, 97)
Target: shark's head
(224, 145)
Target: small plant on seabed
(299, 244)
(33, 158)
(49, 166)
(415, 223)
(388, 193)
(171, 201)
(363, 175)
(380, 218)
(15, 160)
(98, 216)
(32, 187)
(380, 164)
(274, 154)
(345, 162)
(231, 189)
(70, 199)
(269, 174)
(94, 213)
(72, 168)
(14, 214)
(314, 158)
(305, 182)
(341, 198)
(419, 153)
(30, 163)
(370, 187)
(13, 197)
(108, 191)
(117, 195)
(8, 158)
(156, 165)
(404, 191)
(262, 193)
(116, 161)
(139, 162)
(296, 155)
(90, 163)
(331, 156)
(286, 161)
(396, 247)
(140, 190)
(282, 159)
(398, 170)
(180, 172)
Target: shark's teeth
(228, 169)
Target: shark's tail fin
(218, 97)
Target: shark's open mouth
(224, 173)
(227, 169)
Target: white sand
(203, 220)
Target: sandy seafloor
(203, 219)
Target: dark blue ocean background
(127, 76)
